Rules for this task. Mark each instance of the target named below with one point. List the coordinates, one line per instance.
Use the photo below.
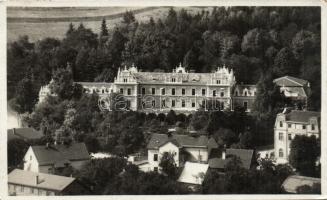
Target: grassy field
(39, 23)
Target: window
(193, 104)
(30, 157)
(303, 127)
(22, 188)
(129, 91)
(102, 91)
(203, 103)
(155, 157)
(312, 127)
(121, 91)
(183, 91)
(245, 93)
(203, 92)
(143, 91)
(245, 105)
(125, 80)
(280, 124)
(289, 136)
(153, 103)
(218, 81)
(173, 80)
(281, 136)
(163, 103)
(236, 93)
(31, 190)
(173, 103)
(155, 169)
(193, 92)
(173, 91)
(183, 103)
(222, 94)
(163, 91)
(214, 93)
(153, 90)
(280, 153)
(289, 125)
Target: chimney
(223, 153)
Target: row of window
(281, 136)
(31, 190)
(245, 93)
(173, 103)
(173, 92)
(313, 127)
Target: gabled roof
(45, 181)
(157, 140)
(301, 116)
(24, 133)
(245, 155)
(60, 154)
(293, 182)
(193, 173)
(290, 81)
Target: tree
(171, 117)
(62, 83)
(104, 29)
(168, 165)
(16, 152)
(92, 144)
(303, 154)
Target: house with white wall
(183, 147)
(288, 124)
(49, 158)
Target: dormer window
(313, 127)
(280, 124)
(218, 81)
(125, 80)
(236, 93)
(173, 80)
(245, 93)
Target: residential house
(295, 89)
(24, 134)
(184, 147)
(267, 151)
(55, 157)
(292, 183)
(27, 183)
(288, 124)
(244, 96)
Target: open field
(39, 23)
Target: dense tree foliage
(304, 154)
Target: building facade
(289, 124)
(178, 90)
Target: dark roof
(301, 116)
(267, 147)
(24, 133)
(244, 154)
(158, 140)
(46, 181)
(293, 182)
(60, 154)
(290, 81)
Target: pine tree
(104, 29)
(71, 29)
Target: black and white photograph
(163, 100)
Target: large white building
(178, 90)
(289, 124)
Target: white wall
(152, 163)
(171, 148)
(31, 163)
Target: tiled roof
(193, 173)
(293, 182)
(158, 140)
(244, 154)
(46, 181)
(95, 84)
(290, 81)
(60, 154)
(301, 116)
(24, 133)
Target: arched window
(245, 93)
(281, 153)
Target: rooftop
(95, 84)
(293, 182)
(244, 154)
(301, 116)
(24, 133)
(193, 173)
(157, 140)
(39, 180)
(60, 154)
(289, 81)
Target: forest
(259, 43)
